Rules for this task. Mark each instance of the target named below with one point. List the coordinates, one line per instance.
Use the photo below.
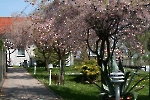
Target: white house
(17, 57)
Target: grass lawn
(75, 90)
(142, 94)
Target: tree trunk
(84, 54)
(61, 76)
(46, 64)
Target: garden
(103, 33)
(75, 88)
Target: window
(21, 53)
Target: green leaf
(137, 83)
(121, 66)
(101, 89)
(135, 95)
(114, 65)
(130, 80)
(108, 82)
(138, 89)
(123, 85)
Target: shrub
(40, 58)
(89, 69)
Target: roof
(5, 22)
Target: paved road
(20, 85)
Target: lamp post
(50, 66)
(117, 78)
(60, 72)
(35, 68)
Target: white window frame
(20, 53)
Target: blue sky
(7, 7)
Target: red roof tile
(5, 22)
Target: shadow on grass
(75, 78)
(70, 94)
(79, 79)
(145, 97)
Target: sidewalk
(20, 85)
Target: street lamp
(50, 66)
(117, 79)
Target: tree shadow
(16, 70)
(145, 97)
(71, 94)
(24, 88)
(27, 93)
(75, 78)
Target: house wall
(16, 59)
(70, 60)
(29, 56)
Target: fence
(136, 67)
(2, 66)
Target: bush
(89, 69)
(53, 58)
